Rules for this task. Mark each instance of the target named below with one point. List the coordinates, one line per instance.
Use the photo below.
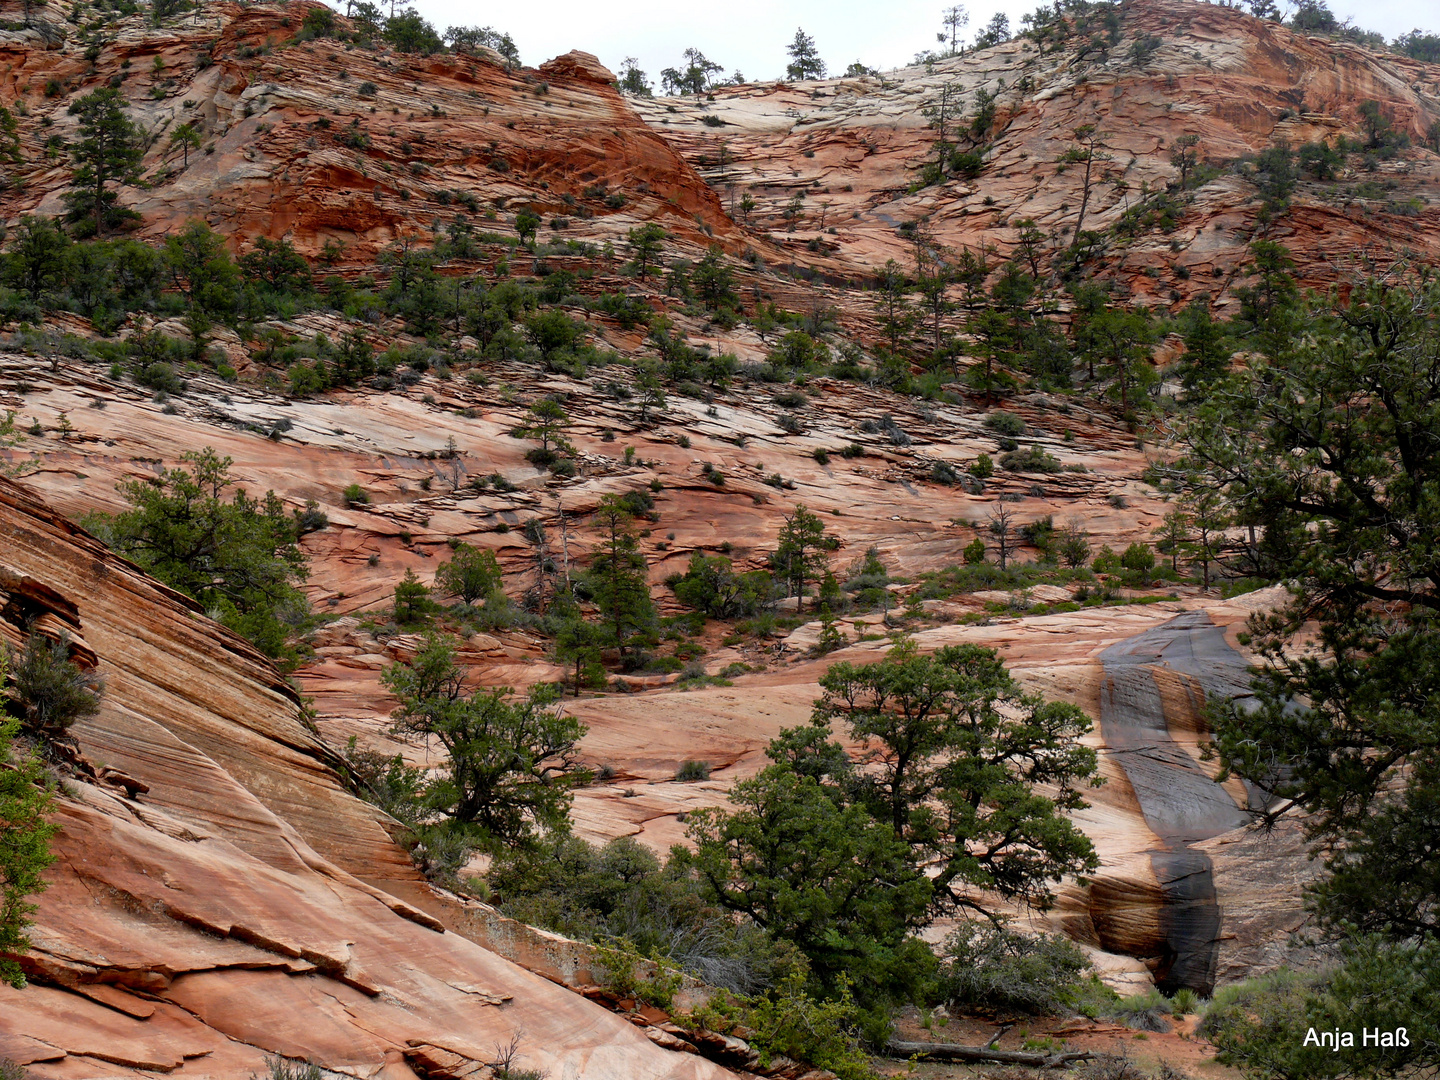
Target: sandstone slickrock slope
(192, 925)
(204, 909)
(852, 150)
(295, 148)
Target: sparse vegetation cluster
(1304, 447)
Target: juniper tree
(471, 574)
(238, 557)
(954, 753)
(511, 763)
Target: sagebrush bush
(995, 969)
(1005, 423)
(693, 770)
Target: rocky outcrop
(316, 141)
(851, 150)
(211, 911)
(886, 498)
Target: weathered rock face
(298, 145)
(318, 142)
(314, 141)
(206, 906)
(887, 498)
(851, 150)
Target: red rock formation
(293, 149)
(854, 147)
(211, 913)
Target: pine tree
(109, 150)
(1171, 536)
(693, 78)
(801, 553)
(632, 79)
(714, 281)
(1209, 520)
(956, 18)
(187, 137)
(547, 422)
(412, 600)
(805, 62)
(1332, 449)
(646, 242)
(579, 642)
(619, 581)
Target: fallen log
(960, 1052)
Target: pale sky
(751, 35)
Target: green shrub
(788, 1020)
(24, 841)
(355, 495)
(282, 1068)
(1138, 561)
(990, 967)
(1261, 1025)
(1143, 1012)
(621, 894)
(1033, 460)
(49, 690)
(693, 770)
(982, 468)
(1184, 1002)
(1005, 423)
(473, 574)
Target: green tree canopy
(277, 265)
(108, 150)
(693, 77)
(237, 558)
(825, 876)
(955, 753)
(801, 552)
(646, 243)
(805, 62)
(511, 762)
(618, 579)
(472, 574)
(1332, 448)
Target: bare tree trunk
(960, 1052)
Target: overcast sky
(751, 35)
